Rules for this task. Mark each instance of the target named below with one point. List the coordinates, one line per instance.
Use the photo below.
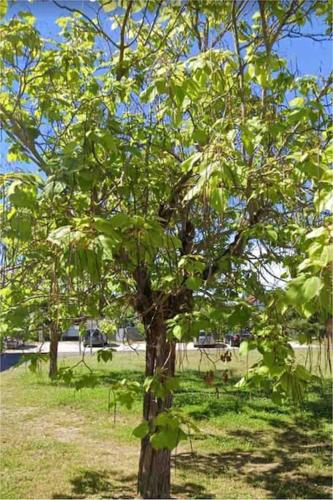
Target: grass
(60, 444)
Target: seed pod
(209, 377)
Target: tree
(181, 169)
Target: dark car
(95, 338)
(12, 343)
(235, 339)
(232, 339)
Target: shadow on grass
(101, 377)
(190, 490)
(91, 482)
(279, 469)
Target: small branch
(123, 46)
(90, 21)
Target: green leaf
(218, 199)
(244, 348)
(105, 355)
(158, 440)
(168, 438)
(121, 220)
(65, 374)
(104, 226)
(34, 359)
(57, 235)
(324, 199)
(315, 233)
(302, 373)
(189, 162)
(273, 235)
(177, 332)
(193, 283)
(86, 381)
(118, 221)
(21, 226)
(107, 245)
(263, 370)
(141, 430)
(296, 102)
(110, 5)
(22, 196)
(311, 288)
(172, 383)
(3, 8)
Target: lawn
(58, 443)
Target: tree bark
(154, 465)
(54, 338)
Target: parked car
(208, 341)
(95, 338)
(232, 339)
(235, 339)
(205, 338)
(12, 343)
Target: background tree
(187, 158)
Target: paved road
(71, 347)
(8, 359)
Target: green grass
(58, 443)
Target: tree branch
(97, 28)
(123, 46)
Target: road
(69, 348)
(72, 347)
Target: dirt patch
(23, 413)
(63, 426)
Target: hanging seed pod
(209, 377)
(225, 376)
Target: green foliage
(311, 292)
(160, 385)
(34, 360)
(3, 8)
(169, 429)
(181, 161)
(166, 430)
(105, 355)
(141, 430)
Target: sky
(304, 55)
(308, 56)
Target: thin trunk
(154, 466)
(54, 325)
(53, 368)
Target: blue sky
(304, 55)
(309, 56)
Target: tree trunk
(154, 465)
(53, 368)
